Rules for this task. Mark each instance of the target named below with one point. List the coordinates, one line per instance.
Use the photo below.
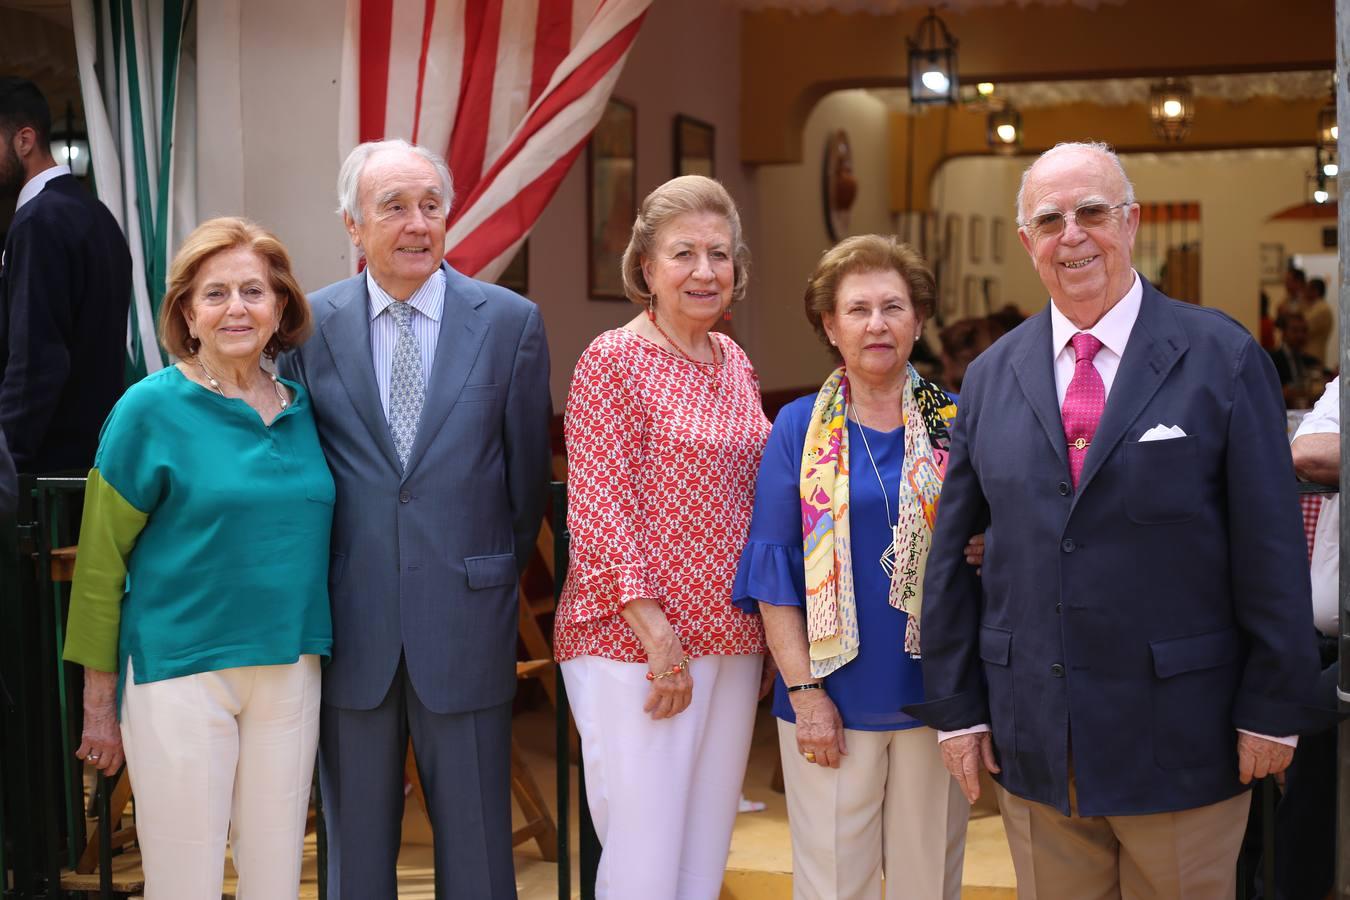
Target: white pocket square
(1161, 432)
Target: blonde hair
(217, 236)
(675, 198)
(866, 253)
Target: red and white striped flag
(507, 90)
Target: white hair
(349, 177)
(1101, 149)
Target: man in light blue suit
(431, 394)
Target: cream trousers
(890, 807)
(663, 794)
(227, 752)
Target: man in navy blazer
(431, 396)
(65, 288)
(1140, 641)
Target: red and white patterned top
(661, 468)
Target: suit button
(1068, 545)
(1059, 607)
(1057, 670)
(404, 496)
(1064, 489)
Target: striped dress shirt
(429, 302)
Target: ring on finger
(810, 756)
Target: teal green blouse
(204, 541)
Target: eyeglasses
(1089, 215)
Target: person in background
(1140, 651)
(1295, 290)
(431, 393)
(1300, 372)
(1305, 820)
(1320, 320)
(963, 341)
(665, 429)
(199, 608)
(844, 511)
(65, 288)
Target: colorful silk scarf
(831, 609)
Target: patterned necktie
(1084, 402)
(406, 387)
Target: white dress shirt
(38, 182)
(428, 303)
(1113, 330)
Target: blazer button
(404, 496)
(1059, 607)
(1057, 670)
(1069, 546)
(1064, 489)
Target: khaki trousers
(890, 807)
(1186, 855)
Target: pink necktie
(1084, 402)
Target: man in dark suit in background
(65, 288)
(431, 396)
(1141, 639)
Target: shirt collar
(429, 299)
(1113, 329)
(38, 182)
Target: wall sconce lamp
(1004, 130)
(71, 147)
(932, 63)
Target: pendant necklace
(215, 385)
(708, 369)
(892, 551)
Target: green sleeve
(108, 531)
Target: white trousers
(890, 807)
(663, 794)
(222, 752)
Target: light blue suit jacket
(425, 562)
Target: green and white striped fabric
(130, 52)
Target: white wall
(267, 109)
(791, 235)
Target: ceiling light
(1171, 108)
(932, 63)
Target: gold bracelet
(673, 670)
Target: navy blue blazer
(425, 562)
(1134, 624)
(65, 288)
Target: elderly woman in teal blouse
(200, 604)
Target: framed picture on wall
(516, 275)
(971, 298)
(976, 238)
(1272, 263)
(611, 197)
(695, 147)
(998, 229)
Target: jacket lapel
(347, 334)
(1156, 342)
(463, 329)
(1034, 368)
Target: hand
(101, 739)
(963, 755)
(975, 552)
(671, 695)
(820, 731)
(1258, 757)
(767, 675)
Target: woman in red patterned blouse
(664, 436)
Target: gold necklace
(211, 380)
(711, 373)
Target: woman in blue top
(843, 517)
(201, 595)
